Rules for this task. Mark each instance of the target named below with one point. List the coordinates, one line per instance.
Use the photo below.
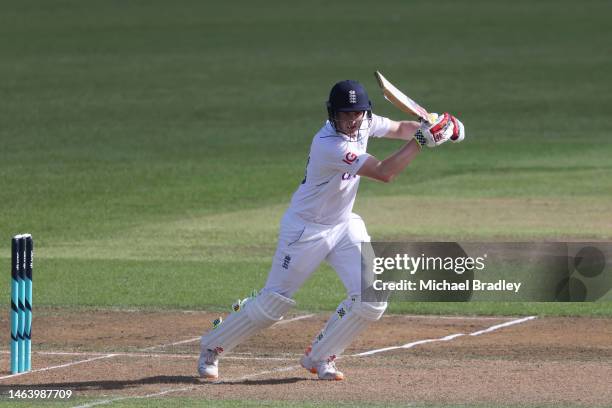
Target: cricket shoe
(208, 365)
(325, 369)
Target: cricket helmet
(348, 96)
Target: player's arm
(445, 127)
(403, 130)
(387, 169)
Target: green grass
(152, 148)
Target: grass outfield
(151, 148)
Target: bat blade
(400, 100)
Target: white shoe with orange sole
(326, 369)
(208, 365)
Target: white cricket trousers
(302, 246)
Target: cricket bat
(401, 101)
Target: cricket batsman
(319, 225)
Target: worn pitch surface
(112, 354)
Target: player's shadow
(159, 379)
(265, 381)
(109, 384)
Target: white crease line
(171, 344)
(232, 356)
(260, 358)
(434, 317)
(194, 339)
(293, 355)
(446, 338)
(499, 326)
(159, 355)
(293, 319)
(59, 366)
(99, 353)
(408, 345)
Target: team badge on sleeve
(350, 158)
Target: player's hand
(458, 130)
(439, 131)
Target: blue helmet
(348, 96)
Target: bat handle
(431, 118)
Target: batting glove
(458, 130)
(436, 133)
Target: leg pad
(349, 320)
(255, 314)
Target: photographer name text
(444, 285)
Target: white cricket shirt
(327, 193)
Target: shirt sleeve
(380, 126)
(338, 157)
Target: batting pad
(344, 326)
(258, 313)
